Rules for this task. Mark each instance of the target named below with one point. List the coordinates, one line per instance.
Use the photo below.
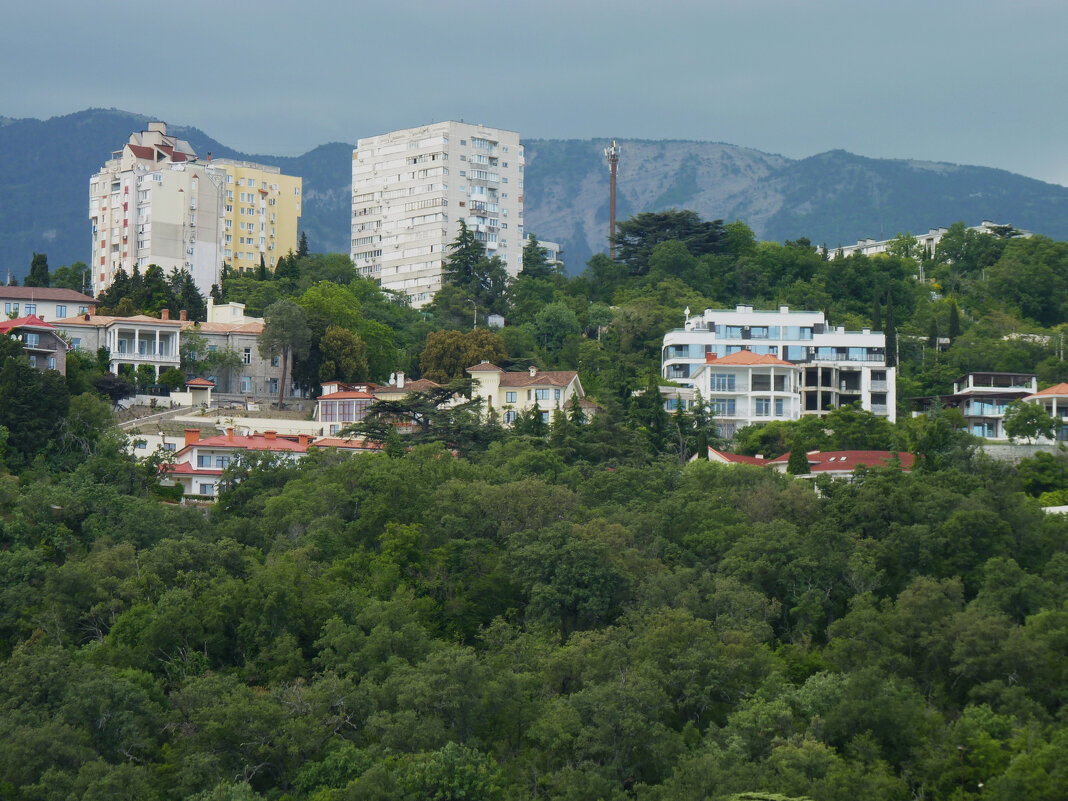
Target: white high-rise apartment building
(153, 203)
(411, 189)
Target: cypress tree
(877, 316)
(302, 246)
(797, 465)
(891, 334)
(932, 334)
(954, 321)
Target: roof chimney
(183, 315)
(303, 439)
(533, 371)
(710, 357)
(230, 434)
(165, 314)
(270, 435)
(192, 435)
(400, 380)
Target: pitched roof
(734, 458)
(847, 461)
(250, 442)
(1058, 390)
(30, 321)
(347, 395)
(143, 152)
(199, 382)
(485, 367)
(347, 444)
(222, 328)
(46, 293)
(746, 358)
(419, 385)
(102, 320)
(556, 378)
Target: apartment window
(31, 308)
(207, 489)
(509, 397)
(76, 343)
(203, 461)
(763, 407)
(11, 308)
(246, 383)
(246, 356)
(274, 361)
(780, 407)
(222, 461)
(722, 382)
(32, 340)
(51, 362)
(556, 394)
(722, 406)
(169, 446)
(272, 385)
(541, 394)
(33, 361)
(509, 417)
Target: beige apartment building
(412, 188)
(156, 202)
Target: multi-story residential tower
(156, 202)
(837, 367)
(411, 189)
(153, 203)
(261, 209)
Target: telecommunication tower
(611, 154)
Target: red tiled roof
(30, 321)
(187, 469)
(143, 152)
(847, 461)
(251, 442)
(485, 367)
(199, 382)
(1058, 390)
(555, 378)
(347, 395)
(735, 458)
(746, 358)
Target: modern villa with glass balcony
(835, 367)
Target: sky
(981, 82)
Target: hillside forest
(571, 610)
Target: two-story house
(44, 347)
(131, 341)
(513, 393)
(47, 303)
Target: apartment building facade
(156, 202)
(412, 188)
(836, 367)
(261, 213)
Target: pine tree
(302, 247)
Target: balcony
(879, 408)
(879, 386)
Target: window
(541, 394)
(222, 461)
(32, 340)
(722, 406)
(31, 308)
(169, 446)
(11, 308)
(203, 461)
(33, 361)
(246, 383)
(556, 394)
(246, 356)
(721, 382)
(509, 417)
(763, 407)
(274, 360)
(207, 489)
(140, 444)
(51, 362)
(272, 385)
(509, 397)
(83, 310)
(780, 407)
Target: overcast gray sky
(979, 82)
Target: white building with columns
(835, 367)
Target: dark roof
(45, 293)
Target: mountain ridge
(832, 198)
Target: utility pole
(611, 154)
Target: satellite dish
(392, 379)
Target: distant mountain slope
(834, 198)
(44, 177)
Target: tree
(536, 260)
(285, 331)
(903, 246)
(555, 324)
(1029, 420)
(261, 270)
(172, 378)
(891, 333)
(75, 277)
(344, 356)
(932, 334)
(465, 252)
(302, 246)
(38, 271)
(448, 353)
(797, 465)
(636, 238)
(954, 322)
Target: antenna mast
(611, 154)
